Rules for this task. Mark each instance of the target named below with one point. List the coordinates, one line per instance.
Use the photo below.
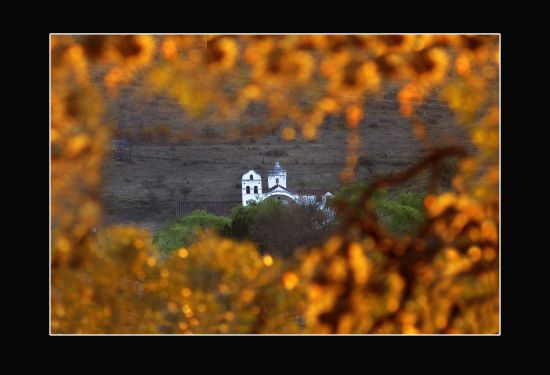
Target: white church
(277, 189)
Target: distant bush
(160, 179)
(185, 191)
(277, 228)
(400, 213)
(181, 232)
(241, 219)
(276, 152)
(350, 192)
(367, 162)
(280, 229)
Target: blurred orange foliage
(363, 280)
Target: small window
(248, 190)
(277, 181)
(255, 190)
(251, 177)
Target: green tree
(241, 220)
(182, 231)
(399, 212)
(279, 229)
(402, 214)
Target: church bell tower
(251, 185)
(276, 176)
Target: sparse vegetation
(367, 162)
(185, 191)
(160, 179)
(277, 152)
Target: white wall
(256, 181)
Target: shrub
(276, 152)
(403, 212)
(280, 229)
(185, 191)
(182, 231)
(398, 216)
(241, 219)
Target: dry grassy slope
(144, 191)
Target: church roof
(315, 191)
(276, 169)
(280, 188)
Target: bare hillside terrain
(144, 188)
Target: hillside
(144, 189)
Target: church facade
(252, 191)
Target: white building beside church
(277, 189)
